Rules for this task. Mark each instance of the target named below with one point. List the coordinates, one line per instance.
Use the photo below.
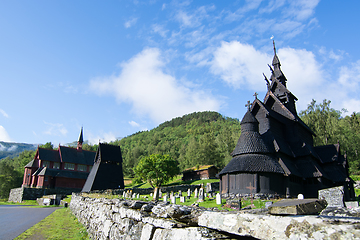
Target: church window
(69, 166)
(45, 164)
(81, 168)
(56, 165)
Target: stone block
(147, 232)
(333, 196)
(297, 207)
(352, 204)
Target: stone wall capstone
(125, 219)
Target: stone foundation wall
(124, 219)
(25, 193)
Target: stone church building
(275, 153)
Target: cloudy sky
(120, 67)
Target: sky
(119, 67)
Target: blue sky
(119, 67)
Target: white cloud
(350, 76)
(306, 78)
(240, 65)
(12, 148)
(159, 29)
(144, 83)
(4, 113)
(4, 136)
(55, 129)
(134, 124)
(131, 22)
(104, 137)
(301, 9)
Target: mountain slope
(9, 149)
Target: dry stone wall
(125, 219)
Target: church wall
(241, 183)
(69, 182)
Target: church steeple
(80, 141)
(278, 84)
(276, 72)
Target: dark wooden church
(275, 152)
(107, 172)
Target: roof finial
(248, 105)
(255, 95)
(274, 47)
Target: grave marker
(218, 199)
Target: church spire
(80, 141)
(276, 72)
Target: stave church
(275, 153)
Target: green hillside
(198, 138)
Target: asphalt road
(14, 220)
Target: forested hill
(193, 139)
(9, 149)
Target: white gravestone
(182, 199)
(196, 193)
(173, 200)
(218, 199)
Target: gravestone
(333, 196)
(234, 203)
(156, 194)
(196, 193)
(160, 193)
(218, 199)
(208, 188)
(165, 198)
(138, 196)
(134, 195)
(180, 193)
(171, 194)
(124, 194)
(201, 195)
(189, 192)
(173, 199)
(300, 196)
(182, 199)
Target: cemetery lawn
(61, 224)
(177, 180)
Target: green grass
(25, 202)
(61, 224)
(355, 177)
